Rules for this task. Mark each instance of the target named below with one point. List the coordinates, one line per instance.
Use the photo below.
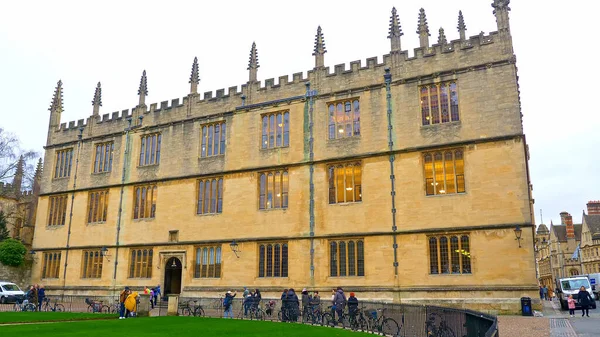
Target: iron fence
(412, 320)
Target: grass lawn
(26, 317)
(173, 326)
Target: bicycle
(47, 306)
(191, 310)
(287, 315)
(358, 321)
(443, 330)
(328, 318)
(24, 306)
(96, 306)
(313, 315)
(217, 303)
(383, 325)
(114, 308)
(256, 313)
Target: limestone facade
(390, 219)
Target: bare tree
(11, 155)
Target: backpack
(227, 302)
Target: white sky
(83, 42)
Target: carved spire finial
(143, 90)
(97, 101)
(57, 99)
(320, 49)
(423, 29)
(501, 10)
(442, 38)
(462, 28)
(395, 31)
(194, 77)
(18, 177)
(253, 63)
(38, 170)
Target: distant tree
(12, 252)
(3, 230)
(10, 153)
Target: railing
(412, 320)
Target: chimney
(593, 207)
(562, 217)
(570, 227)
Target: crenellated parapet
(428, 62)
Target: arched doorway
(172, 276)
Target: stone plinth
(173, 305)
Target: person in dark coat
(292, 305)
(339, 301)
(284, 307)
(305, 302)
(41, 296)
(585, 300)
(256, 299)
(352, 305)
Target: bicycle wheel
(389, 327)
(90, 308)
(105, 309)
(327, 320)
(363, 324)
(16, 307)
(280, 316)
(59, 308)
(199, 312)
(29, 307)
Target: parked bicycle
(23, 306)
(115, 307)
(329, 318)
(438, 330)
(96, 306)
(256, 313)
(189, 309)
(381, 324)
(47, 305)
(359, 321)
(217, 303)
(287, 315)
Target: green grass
(173, 326)
(26, 317)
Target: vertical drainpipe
(311, 209)
(79, 140)
(388, 98)
(125, 158)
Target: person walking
(284, 306)
(122, 298)
(228, 304)
(571, 303)
(541, 292)
(545, 290)
(339, 301)
(305, 303)
(41, 296)
(585, 300)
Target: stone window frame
(51, 265)
(202, 202)
(352, 255)
(63, 163)
(279, 200)
(103, 157)
(204, 260)
(343, 116)
(453, 250)
(430, 96)
(277, 266)
(140, 263)
(97, 206)
(273, 130)
(152, 158)
(334, 184)
(206, 137)
(144, 207)
(91, 263)
(451, 183)
(57, 210)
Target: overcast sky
(83, 42)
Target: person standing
(247, 302)
(41, 296)
(293, 305)
(256, 300)
(585, 300)
(122, 298)
(545, 290)
(228, 304)
(131, 304)
(284, 306)
(33, 295)
(571, 303)
(156, 293)
(305, 302)
(541, 292)
(151, 297)
(352, 305)
(339, 300)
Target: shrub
(12, 252)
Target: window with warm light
(444, 172)
(449, 255)
(213, 139)
(275, 130)
(64, 161)
(140, 263)
(273, 260)
(150, 149)
(57, 212)
(144, 204)
(51, 265)
(345, 181)
(347, 258)
(104, 157)
(208, 262)
(97, 206)
(439, 103)
(273, 190)
(210, 196)
(91, 266)
(344, 118)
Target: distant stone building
(19, 205)
(405, 180)
(590, 238)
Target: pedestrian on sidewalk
(585, 300)
(545, 290)
(541, 293)
(571, 303)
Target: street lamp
(104, 251)
(518, 232)
(235, 248)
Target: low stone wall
(21, 275)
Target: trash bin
(526, 306)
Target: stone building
(402, 179)
(590, 238)
(19, 205)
